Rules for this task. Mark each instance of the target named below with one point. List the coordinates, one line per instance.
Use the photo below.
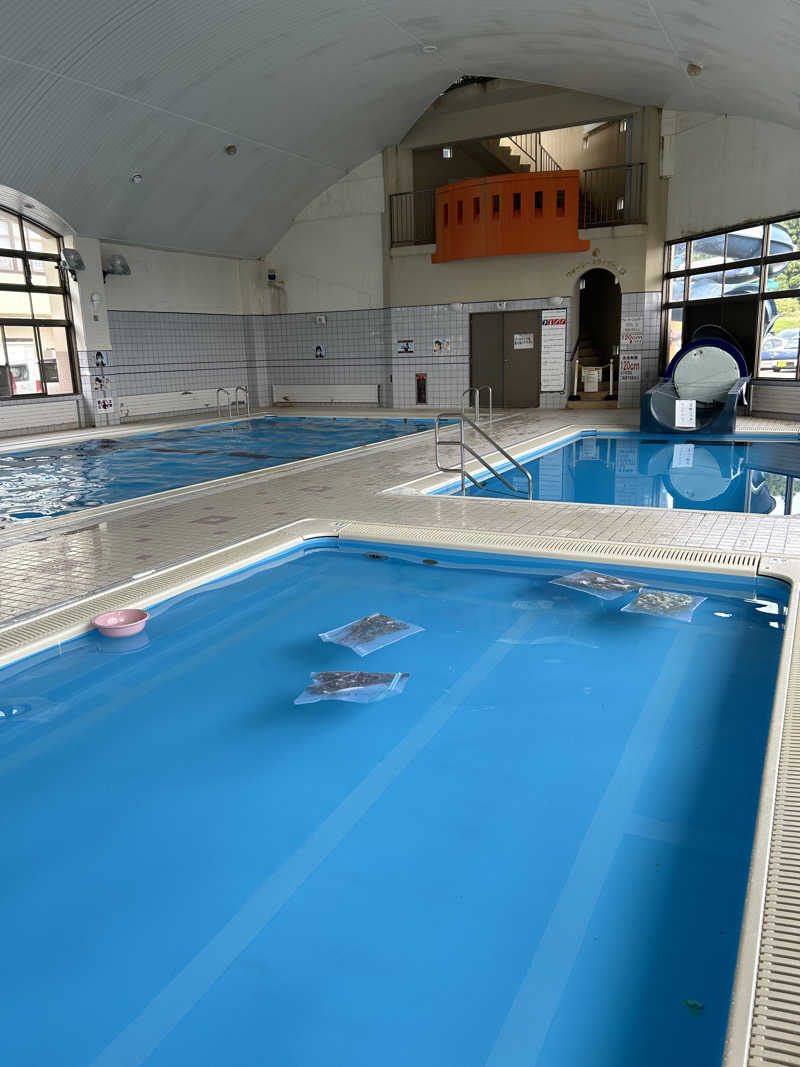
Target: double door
(506, 353)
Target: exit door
(505, 353)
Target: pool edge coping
(749, 1012)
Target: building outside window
(746, 280)
(36, 338)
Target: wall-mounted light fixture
(117, 265)
(447, 152)
(72, 260)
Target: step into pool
(62, 478)
(535, 853)
(759, 475)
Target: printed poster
(405, 346)
(631, 334)
(554, 350)
(630, 369)
(441, 344)
(523, 340)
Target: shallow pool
(536, 854)
(61, 478)
(757, 475)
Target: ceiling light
(136, 178)
(429, 49)
(693, 69)
(231, 149)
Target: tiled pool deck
(54, 561)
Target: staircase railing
(464, 449)
(530, 146)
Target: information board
(554, 350)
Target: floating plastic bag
(356, 687)
(371, 633)
(667, 605)
(605, 586)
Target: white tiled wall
(648, 305)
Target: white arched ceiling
(92, 91)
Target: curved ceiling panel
(92, 91)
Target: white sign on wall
(554, 350)
(106, 404)
(405, 346)
(523, 340)
(630, 369)
(631, 334)
(686, 414)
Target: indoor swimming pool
(61, 478)
(760, 475)
(536, 852)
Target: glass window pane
(12, 271)
(9, 231)
(677, 256)
(785, 275)
(37, 239)
(674, 331)
(744, 280)
(747, 243)
(675, 290)
(55, 360)
(784, 237)
(44, 272)
(15, 305)
(22, 361)
(707, 251)
(705, 286)
(48, 306)
(780, 338)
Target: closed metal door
(522, 334)
(486, 353)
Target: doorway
(505, 353)
(737, 315)
(600, 317)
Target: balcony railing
(609, 196)
(613, 196)
(412, 217)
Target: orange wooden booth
(507, 215)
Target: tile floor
(48, 563)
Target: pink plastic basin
(123, 623)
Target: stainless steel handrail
(464, 447)
(475, 403)
(478, 390)
(237, 401)
(219, 405)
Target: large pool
(760, 475)
(537, 853)
(51, 481)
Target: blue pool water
(51, 481)
(537, 854)
(755, 475)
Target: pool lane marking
(524, 1031)
(133, 1045)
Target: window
(476, 208)
(459, 211)
(760, 261)
(36, 342)
(538, 202)
(446, 214)
(496, 206)
(517, 203)
(561, 201)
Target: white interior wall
(729, 170)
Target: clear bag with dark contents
(355, 687)
(370, 633)
(605, 586)
(665, 604)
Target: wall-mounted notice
(523, 340)
(320, 352)
(554, 350)
(405, 346)
(686, 414)
(441, 344)
(630, 369)
(106, 404)
(631, 334)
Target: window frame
(762, 294)
(27, 255)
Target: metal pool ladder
(237, 401)
(464, 448)
(473, 395)
(219, 402)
